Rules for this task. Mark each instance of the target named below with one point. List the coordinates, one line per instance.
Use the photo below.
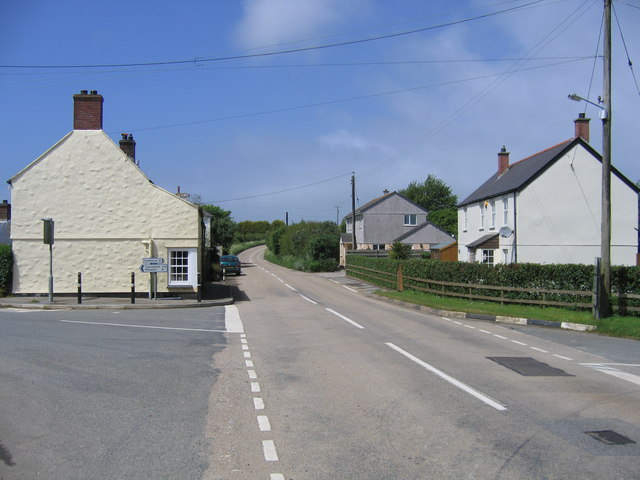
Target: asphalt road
(307, 377)
(326, 383)
(100, 400)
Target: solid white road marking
(606, 368)
(453, 381)
(232, 320)
(269, 449)
(344, 318)
(263, 423)
(144, 326)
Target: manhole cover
(529, 367)
(610, 437)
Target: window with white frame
(487, 257)
(182, 267)
(378, 246)
(493, 213)
(505, 210)
(411, 219)
(465, 219)
(482, 208)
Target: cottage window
(379, 246)
(505, 210)
(411, 219)
(465, 220)
(487, 257)
(493, 214)
(482, 208)
(182, 267)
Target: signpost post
(153, 265)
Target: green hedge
(6, 267)
(519, 275)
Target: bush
(6, 269)
(400, 251)
(326, 265)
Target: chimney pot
(83, 92)
(503, 160)
(94, 92)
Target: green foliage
(528, 276)
(400, 251)
(222, 227)
(248, 231)
(313, 245)
(238, 248)
(436, 197)
(6, 268)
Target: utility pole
(605, 243)
(353, 211)
(337, 214)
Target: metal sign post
(153, 266)
(47, 238)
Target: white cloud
(272, 22)
(342, 139)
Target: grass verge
(617, 326)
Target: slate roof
(378, 200)
(418, 228)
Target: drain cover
(529, 367)
(610, 437)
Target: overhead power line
(197, 60)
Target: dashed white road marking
(499, 336)
(346, 319)
(519, 343)
(263, 423)
(290, 287)
(252, 374)
(258, 403)
(308, 299)
(247, 354)
(249, 363)
(277, 476)
(538, 349)
(349, 288)
(269, 449)
(453, 381)
(562, 357)
(255, 387)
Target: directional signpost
(153, 265)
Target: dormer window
(410, 220)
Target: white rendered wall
(105, 212)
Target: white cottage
(108, 216)
(546, 209)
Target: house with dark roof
(388, 219)
(546, 209)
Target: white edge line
(144, 326)
(344, 318)
(480, 396)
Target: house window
(465, 220)
(482, 208)
(378, 246)
(487, 257)
(411, 219)
(505, 210)
(182, 267)
(493, 213)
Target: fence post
(399, 278)
(79, 287)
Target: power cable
(615, 14)
(288, 51)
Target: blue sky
(398, 90)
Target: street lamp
(603, 303)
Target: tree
(222, 226)
(436, 197)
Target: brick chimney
(582, 127)
(128, 146)
(87, 110)
(503, 160)
(5, 211)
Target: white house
(388, 219)
(546, 209)
(107, 216)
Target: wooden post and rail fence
(493, 293)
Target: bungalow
(108, 216)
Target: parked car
(231, 264)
